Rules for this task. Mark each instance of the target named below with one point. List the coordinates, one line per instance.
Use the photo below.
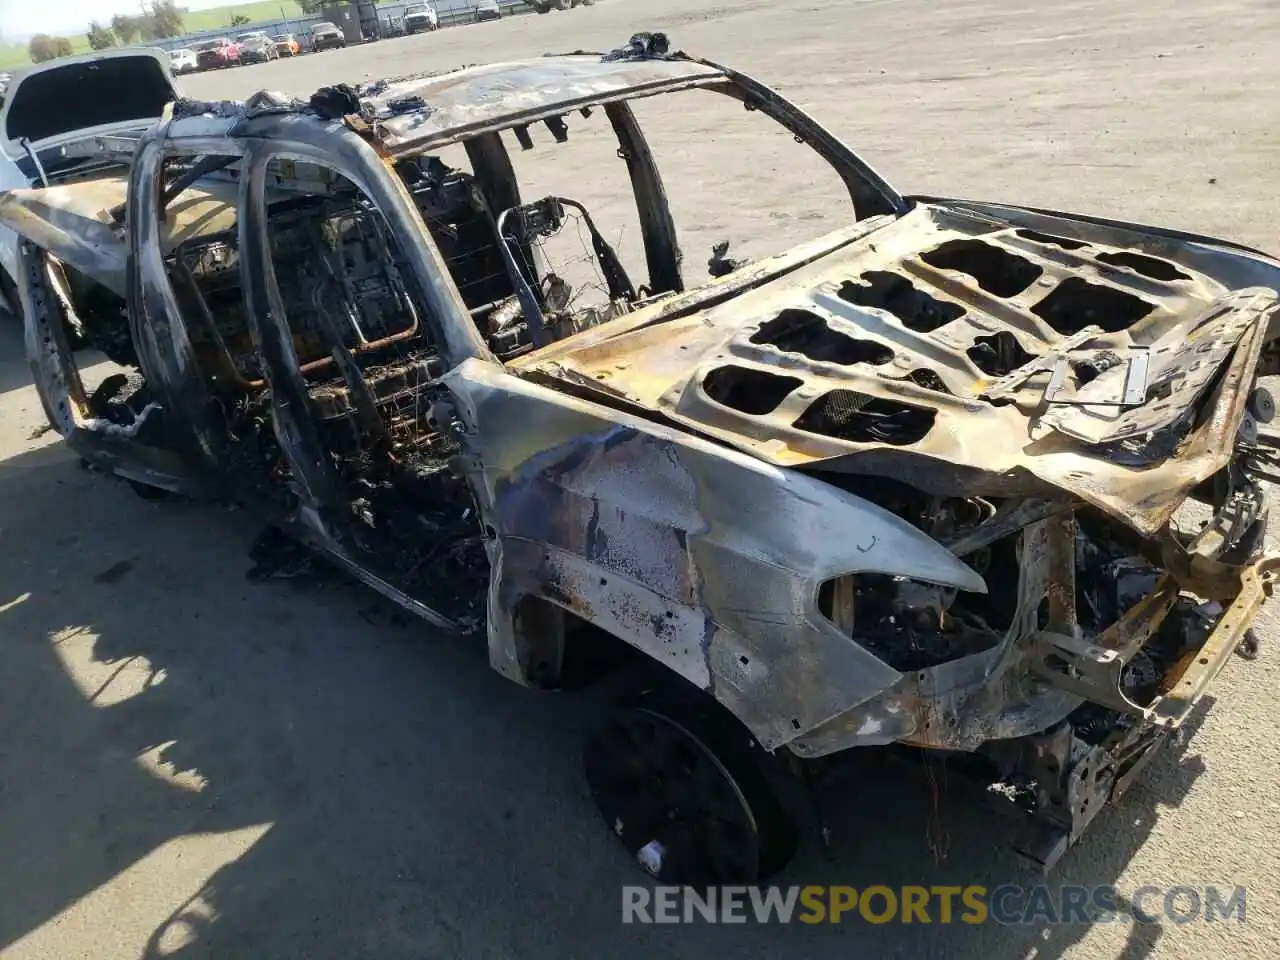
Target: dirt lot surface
(193, 764)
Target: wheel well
(561, 650)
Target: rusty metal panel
(949, 329)
(644, 529)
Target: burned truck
(968, 478)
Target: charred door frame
(160, 331)
(491, 165)
(165, 353)
(157, 327)
(441, 311)
(333, 146)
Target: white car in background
(47, 109)
(487, 10)
(183, 60)
(420, 18)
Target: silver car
(257, 47)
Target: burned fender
(705, 559)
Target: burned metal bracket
(1012, 382)
(1256, 585)
(559, 129)
(1075, 781)
(641, 46)
(1129, 390)
(1244, 505)
(1092, 669)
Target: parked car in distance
(488, 10)
(217, 53)
(421, 18)
(326, 36)
(287, 45)
(183, 60)
(546, 6)
(256, 47)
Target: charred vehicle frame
(913, 482)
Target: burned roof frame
(409, 117)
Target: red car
(220, 52)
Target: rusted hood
(963, 351)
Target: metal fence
(451, 12)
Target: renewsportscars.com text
(974, 904)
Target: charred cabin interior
(529, 273)
(366, 357)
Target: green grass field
(219, 17)
(196, 20)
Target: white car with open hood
(47, 110)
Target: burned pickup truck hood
(967, 349)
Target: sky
(22, 17)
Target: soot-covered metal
(919, 481)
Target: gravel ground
(192, 764)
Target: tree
(166, 19)
(42, 48)
(100, 38)
(311, 7)
(126, 28)
(239, 20)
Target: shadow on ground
(14, 372)
(416, 804)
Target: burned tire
(683, 786)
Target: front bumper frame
(1256, 585)
(1092, 668)
(1076, 780)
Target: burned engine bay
(1078, 422)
